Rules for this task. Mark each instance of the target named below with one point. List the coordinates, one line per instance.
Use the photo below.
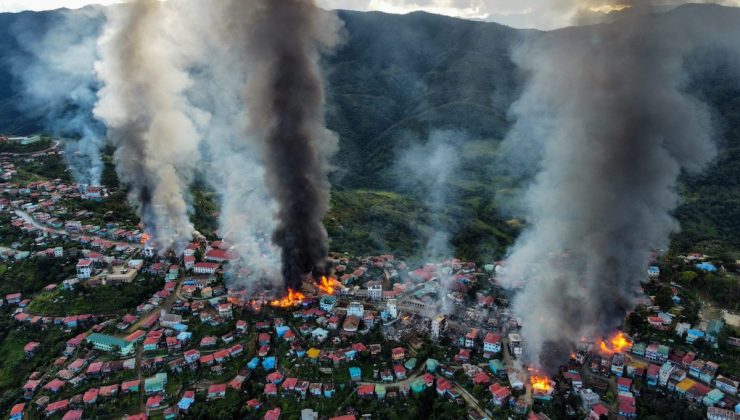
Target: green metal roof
(107, 340)
(156, 381)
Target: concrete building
(439, 323)
(205, 268)
(327, 303)
(110, 343)
(589, 398)
(665, 373)
(169, 320)
(355, 309)
(392, 308)
(375, 292)
(155, 384)
(351, 323)
(84, 268)
(119, 274)
(515, 344)
(492, 343)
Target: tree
(635, 323)
(664, 298)
(688, 277)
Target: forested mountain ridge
(397, 80)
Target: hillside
(399, 79)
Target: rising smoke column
(620, 130)
(232, 164)
(58, 83)
(427, 169)
(286, 115)
(147, 116)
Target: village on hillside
(124, 332)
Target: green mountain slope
(398, 78)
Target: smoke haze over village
(246, 208)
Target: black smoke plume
(285, 95)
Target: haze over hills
(399, 79)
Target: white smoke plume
(427, 169)
(148, 117)
(615, 129)
(59, 85)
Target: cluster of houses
(656, 366)
(327, 330)
(80, 372)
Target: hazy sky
(519, 13)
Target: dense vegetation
(31, 275)
(86, 299)
(14, 366)
(9, 147)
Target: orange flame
(618, 343)
(293, 298)
(540, 384)
(329, 285)
(145, 238)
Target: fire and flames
(293, 298)
(328, 285)
(145, 238)
(618, 343)
(541, 384)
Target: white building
(149, 251)
(73, 226)
(375, 292)
(84, 268)
(136, 264)
(392, 308)
(70, 284)
(188, 261)
(58, 252)
(225, 310)
(492, 343)
(205, 268)
(665, 373)
(355, 309)
(515, 344)
(682, 328)
(169, 320)
(320, 334)
(471, 338)
(327, 303)
(589, 398)
(438, 326)
(25, 140)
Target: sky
(542, 14)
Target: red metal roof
(217, 389)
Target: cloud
(541, 14)
(20, 5)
